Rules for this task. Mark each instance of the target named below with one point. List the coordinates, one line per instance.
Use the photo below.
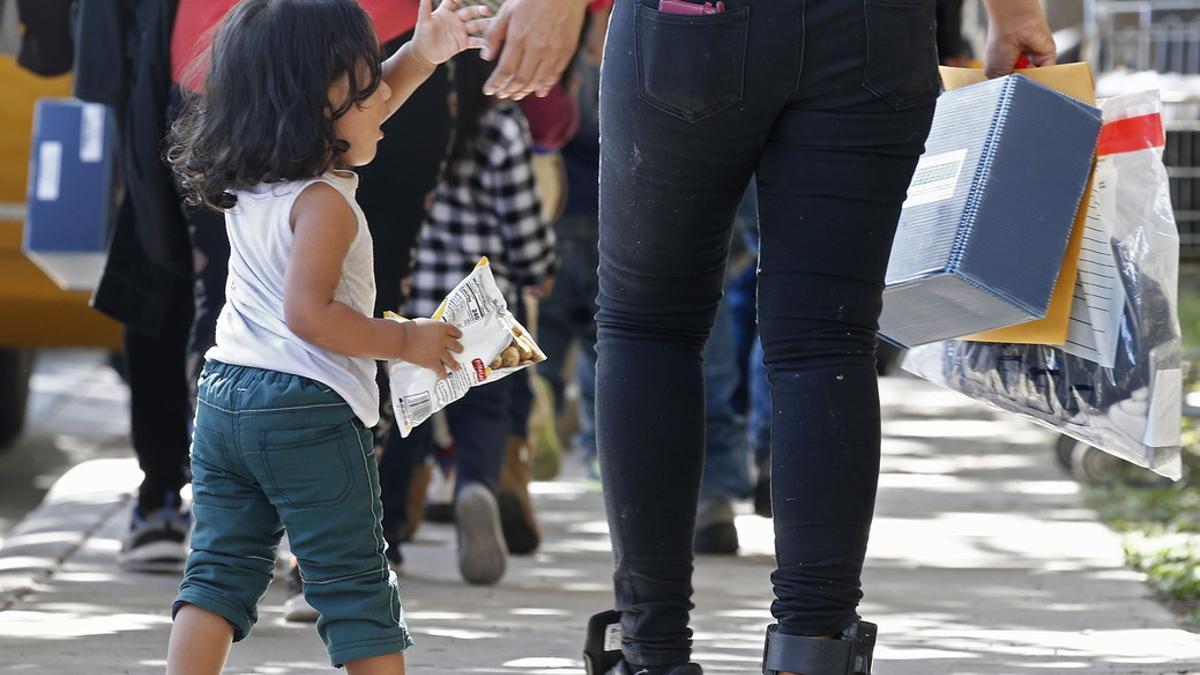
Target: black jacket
(46, 46)
(125, 61)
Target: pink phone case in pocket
(690, 8)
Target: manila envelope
(1074, 80)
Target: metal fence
(1161, 36)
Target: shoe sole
(297, 610)
(482, 553)
(160, 556)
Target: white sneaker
(297, 609)
(482, 553)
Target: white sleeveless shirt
(251, 329)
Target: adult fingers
(497, 35)
(466, 14)
(503, 77)
(479, 27)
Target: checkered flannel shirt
(485, 205)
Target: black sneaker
(297, 609)
(624, 668)
(157, 541)
(716, 532)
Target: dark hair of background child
(470, 74)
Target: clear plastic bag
(1117, 383)
(495, 345)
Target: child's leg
(235, 538)
(401, 458)
(479, 423)
(200, 642)
(389, 664)
(521, 530)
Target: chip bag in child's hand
(495, 345)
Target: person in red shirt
(196, 19)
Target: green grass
(1162, 523)
(1153, 518)
(1174, 574)
(1148, 510)
(1189, 314)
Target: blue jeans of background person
(726, 474)
(741, 293)
(726, 460)
(568, 316)
(832, 127)
(585, 377)
(759, 424)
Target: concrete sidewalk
(983, 560)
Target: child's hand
(431, 344)
(443, 33)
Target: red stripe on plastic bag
(1131, 134)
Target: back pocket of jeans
(692, 67)
(309, 468)
(902, 56)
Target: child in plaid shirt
(485, 205)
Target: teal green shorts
(272, 452)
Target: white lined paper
(1099, 294)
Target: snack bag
(495, 345)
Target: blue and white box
(69, 202)
(989, 212)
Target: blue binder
(69, 199)
(989, 211)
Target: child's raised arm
(324, 227)
(439, 36)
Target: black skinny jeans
(828, 103)
(159, 411)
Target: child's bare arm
(324, 228)
(439, 36)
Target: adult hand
(535, 40)
(1017, 28)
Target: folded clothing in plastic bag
(1117, 385)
